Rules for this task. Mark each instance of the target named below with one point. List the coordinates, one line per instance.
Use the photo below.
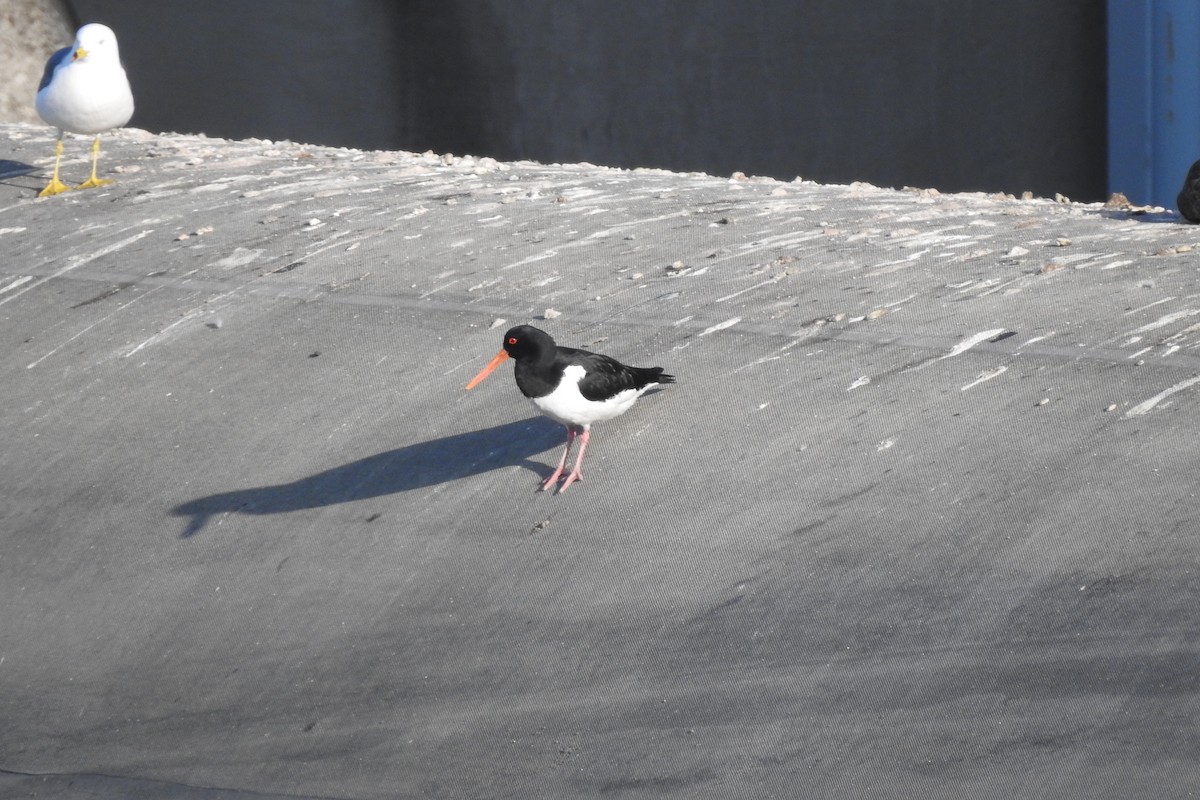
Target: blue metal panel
(1129, 153)
(1154, 97)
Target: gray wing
(59, 57)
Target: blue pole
(1154, 97)
(1176, 103)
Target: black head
(526, 344)
(526, 341)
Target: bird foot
(55, 186)
(576, 475)
(548, 484)
(93, 183)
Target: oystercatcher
(84, 90)
(571, 386)
(1188, 199)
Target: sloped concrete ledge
(917, 520)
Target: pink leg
(562, 462)
(576, 474)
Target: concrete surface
(918, 519)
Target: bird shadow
(414, 466)
(10, 169)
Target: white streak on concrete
(1146, 406)
(532, 259)
(756, 362)
(78, 261)
(163, 333)
(1167, 319)
(768, 282)
(1065, 260)
(1181, 334)
(863, 381)
(23, 279)
(1002, 285)
(240, 257)
(720, 326)
(104, 319)
(959, 349)
(1149, 305)
(987, 376)
(897, 265)
(64, 344)
(439, 288)
(972, 341)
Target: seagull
(571, 386)
(84, 90)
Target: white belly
(567, 405)
(86, 102)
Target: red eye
(512, 340)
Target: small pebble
(1043, 401)
(496, 323)
(551, 314)
(1111, 407)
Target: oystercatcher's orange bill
(500, 358)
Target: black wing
(607, 377)
(59, 57)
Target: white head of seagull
(571, 386)
(84, 90)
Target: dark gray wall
(959, 96)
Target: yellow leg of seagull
(55, 186)
(93, 182)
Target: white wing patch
(567, 405)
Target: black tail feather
(657, 375)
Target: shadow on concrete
(1154, 217)
(415, 466)
(15, 169)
